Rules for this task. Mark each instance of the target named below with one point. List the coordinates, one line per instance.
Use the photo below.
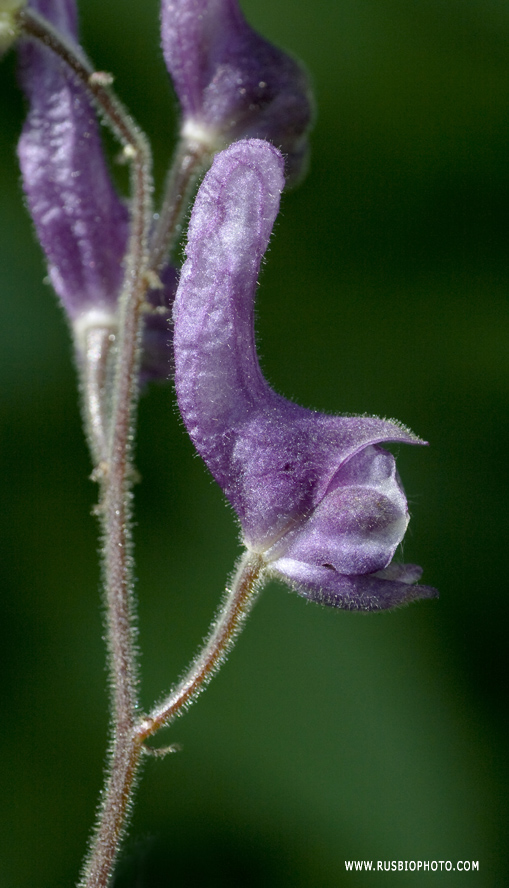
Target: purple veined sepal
(316, 495)
(233, 84)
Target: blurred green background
(328, 735)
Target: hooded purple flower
(315, 495)
(233, 84)
(81, 223)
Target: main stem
(113, 445)
(115, 510)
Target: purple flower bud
(233, 84)
(316, 495)
(80, 221)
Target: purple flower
(233, 84)
(81, 222)
(316, 495)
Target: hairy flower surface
(231, 83)
(316, 495)
(81, 222)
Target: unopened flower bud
(80, 220)
(233, 84)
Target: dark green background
(328, 735)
